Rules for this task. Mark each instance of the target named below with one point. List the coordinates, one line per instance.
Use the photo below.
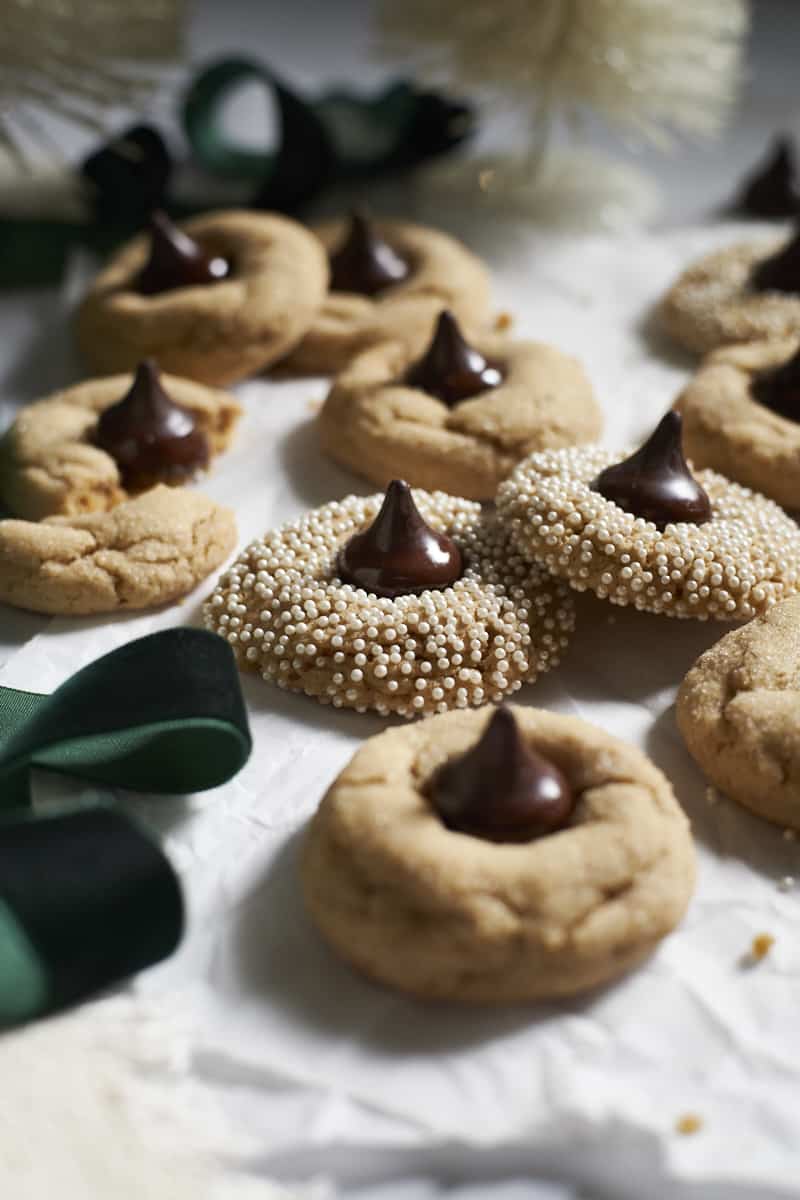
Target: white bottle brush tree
(651, 69)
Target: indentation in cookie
(502, 789)
(451, 369)
(399, 553)
(364, 262)
(176, 260)
(780, 272)
(150, 437)
(655, 483)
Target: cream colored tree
(77, 58)
(650, 68)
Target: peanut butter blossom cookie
(497, 856)
(398, 603)
(737, 710)
(145, 552)
(389, 280)
(741, 416)
(646, 532)
(90, 447)
(747, 292)
(216, 300)
(459, 417)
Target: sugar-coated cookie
(736, 417)
(738, 712)
(144, 552)
(411, 273)
(380, 422)
(736, 295)
(51, 463)
(446, 914)
(213, 327)
(289, 615)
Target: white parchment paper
(323, 1075)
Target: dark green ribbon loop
(151, 716)
(86, 899)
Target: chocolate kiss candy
(399, 554)
(772, 190)
(151, 438)
(779, 389)
(450, 368)
(501, 789)
(655, 483)
(364, 262)
(176, 260)
(781, 272)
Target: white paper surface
(322, 1074)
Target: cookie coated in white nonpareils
(290, 618)
(730, 568)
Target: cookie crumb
(688, 1124)
(786, 883)
(789, 835)
(485, 180)
(503, 321)
(712, 796)
(762, 944)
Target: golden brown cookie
(145, 552)
(213, 332)
(728, 429)
(442, 274)
(288, 616)
(738, 710)
(445, 914)
(380, 426)
(49, 465)
(712, 303)
(734, 565)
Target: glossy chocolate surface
(450, 368)
(655, 483)
(152, 439)
(772, 190)
(779, 389)
(780, 272)
(399, 554)
(176, 260)
(364, 262)
(501, 789)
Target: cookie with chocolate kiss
(741, 415)
(747, 292)
(390, 281)
(651, 531)
(412, 901)
(216, 299)
(91, 446)
(459, 415)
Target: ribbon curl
(87, 898)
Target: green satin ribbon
(87, 898)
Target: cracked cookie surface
(447, 915)
(726, 429)
(145, 552)
(444, 274)
(49, 466)
(738, 711)
(380, 427)
(215, 333)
